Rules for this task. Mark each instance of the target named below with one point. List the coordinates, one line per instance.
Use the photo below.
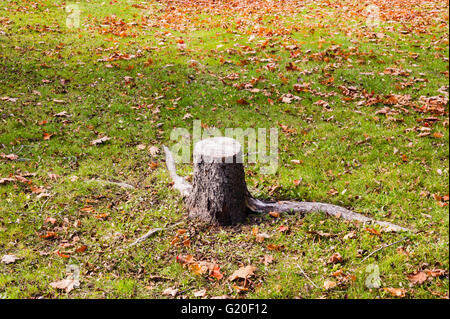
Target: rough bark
(219, 189)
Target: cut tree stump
(219, 193)
(219, 189)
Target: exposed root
(179, 183)
(148, 234)
(259, 206)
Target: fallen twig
(148, 234)
(306, 276)
(124, 185)
(383, 247)
(151, 232)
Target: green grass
(351, 156)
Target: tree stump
(219, 190)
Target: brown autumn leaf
(275, 247)
(200, 293)
(11, 157)
(243, 272)
(66, 284)
(6, 180)
(283, 228)
(9, 259)
(242, 102)
(215, 273)
(435, 272)
(62, 255)
(418, 278)
(170, 292)
(100, 140)
(141, 147)
(329, 284)
(268, 259)
(373, 231)
(335, 258)
(81, 249)
(50, 220)
(396, 292)
(49, 235)
(47, 136)
(153, 165)
(274, 214)
(350, 235)
(153, 150)
(62, 114)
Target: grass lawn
(362, 114)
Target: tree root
(259, 206)
(179, 183)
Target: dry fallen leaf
(373, 231)
(335, 258)
(66, 284)
(200, 293)
(329, 284)
(141, 147)
(350, 235)
(62, 114)
(261, 236)
(11, 157)
(8, 259)
(274, 214)
(243, 273)
(100, 140)
(6, 180)
(222, 297)
(417, 278)
(435, 272)
(153, 150)
(396, 292)
(268, 259)
(170, 292)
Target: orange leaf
(329, 284)
(215, 273)
(62, 255)
(396, 292)
(275, 247)
(274, 214)
(49, 235)
(81, 249)
(283, 228)
(373, 231)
